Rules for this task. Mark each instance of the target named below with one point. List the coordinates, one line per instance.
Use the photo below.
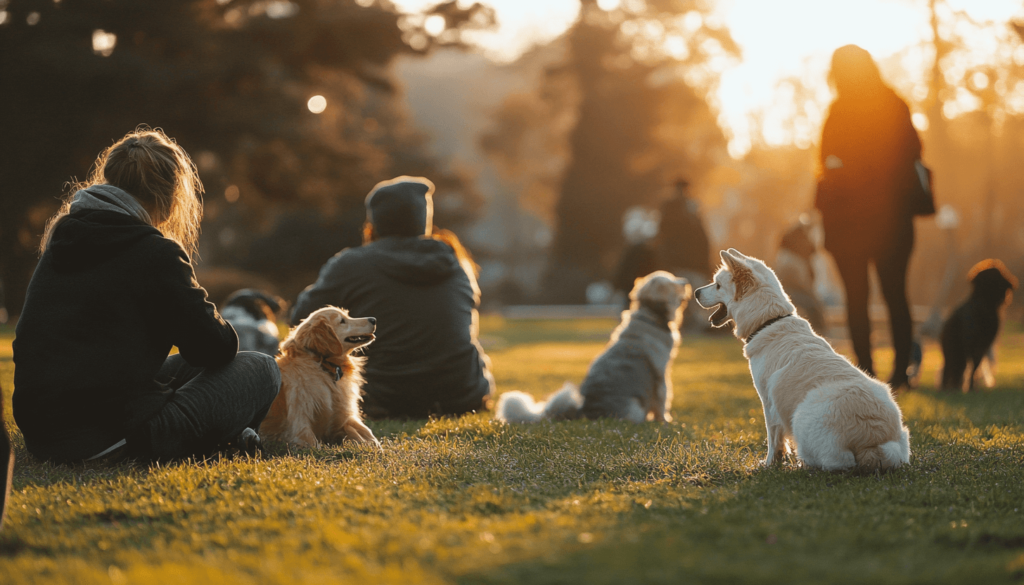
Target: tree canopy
(230, 80)
(629, 104)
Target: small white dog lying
(838, 416)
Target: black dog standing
(6, 463)
(969, 332)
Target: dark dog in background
(968, 334)
(253, 313)
(6, 463)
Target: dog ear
(742, 275)
(731, 262)
(634, 294)
(322, 339)
(727, 258)
(737, 254)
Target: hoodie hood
(86, 238)
(414, 260)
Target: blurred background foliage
(229, 81)
(535, 158)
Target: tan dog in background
(321, 382)
(814, 399)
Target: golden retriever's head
(330, 332)
(744, 291)
(662, 293)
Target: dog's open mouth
(720, 316)
(359, 339)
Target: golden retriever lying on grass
(321, 382)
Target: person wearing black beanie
(421, 287)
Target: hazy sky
(779, 39)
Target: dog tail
(520, 407)
(887, 455)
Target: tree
(228, 79)
(633, 84)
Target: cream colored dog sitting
(321, 382)
(837, 416)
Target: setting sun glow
(781, 40)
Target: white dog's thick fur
(837, 416)
(632, 379)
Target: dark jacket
(637, 260)
(109, 298)
(426, 359)
(867, 202)
(682, 241)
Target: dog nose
(372, 321)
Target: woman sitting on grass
(113, 291)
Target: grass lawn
(472, 501)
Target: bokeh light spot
(920, 121)
(979, 80)
(231, 193)
(103, 43)
(434, 25)
(317, 104)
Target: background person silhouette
(682, 247)
(868, 194)
(420, 285)
(682, 240)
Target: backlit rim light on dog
(317, 104)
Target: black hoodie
(109, 298)
(426, 359)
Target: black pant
(891, 265)
(209, 406)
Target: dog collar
(336, 372)
(766, 324)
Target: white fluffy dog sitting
(838, 417)
(632, 379)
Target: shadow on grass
(791, 525)
(1002, 405)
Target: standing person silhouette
(683, 248)
(682, 240)
(868, 194)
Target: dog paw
(356, 431)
